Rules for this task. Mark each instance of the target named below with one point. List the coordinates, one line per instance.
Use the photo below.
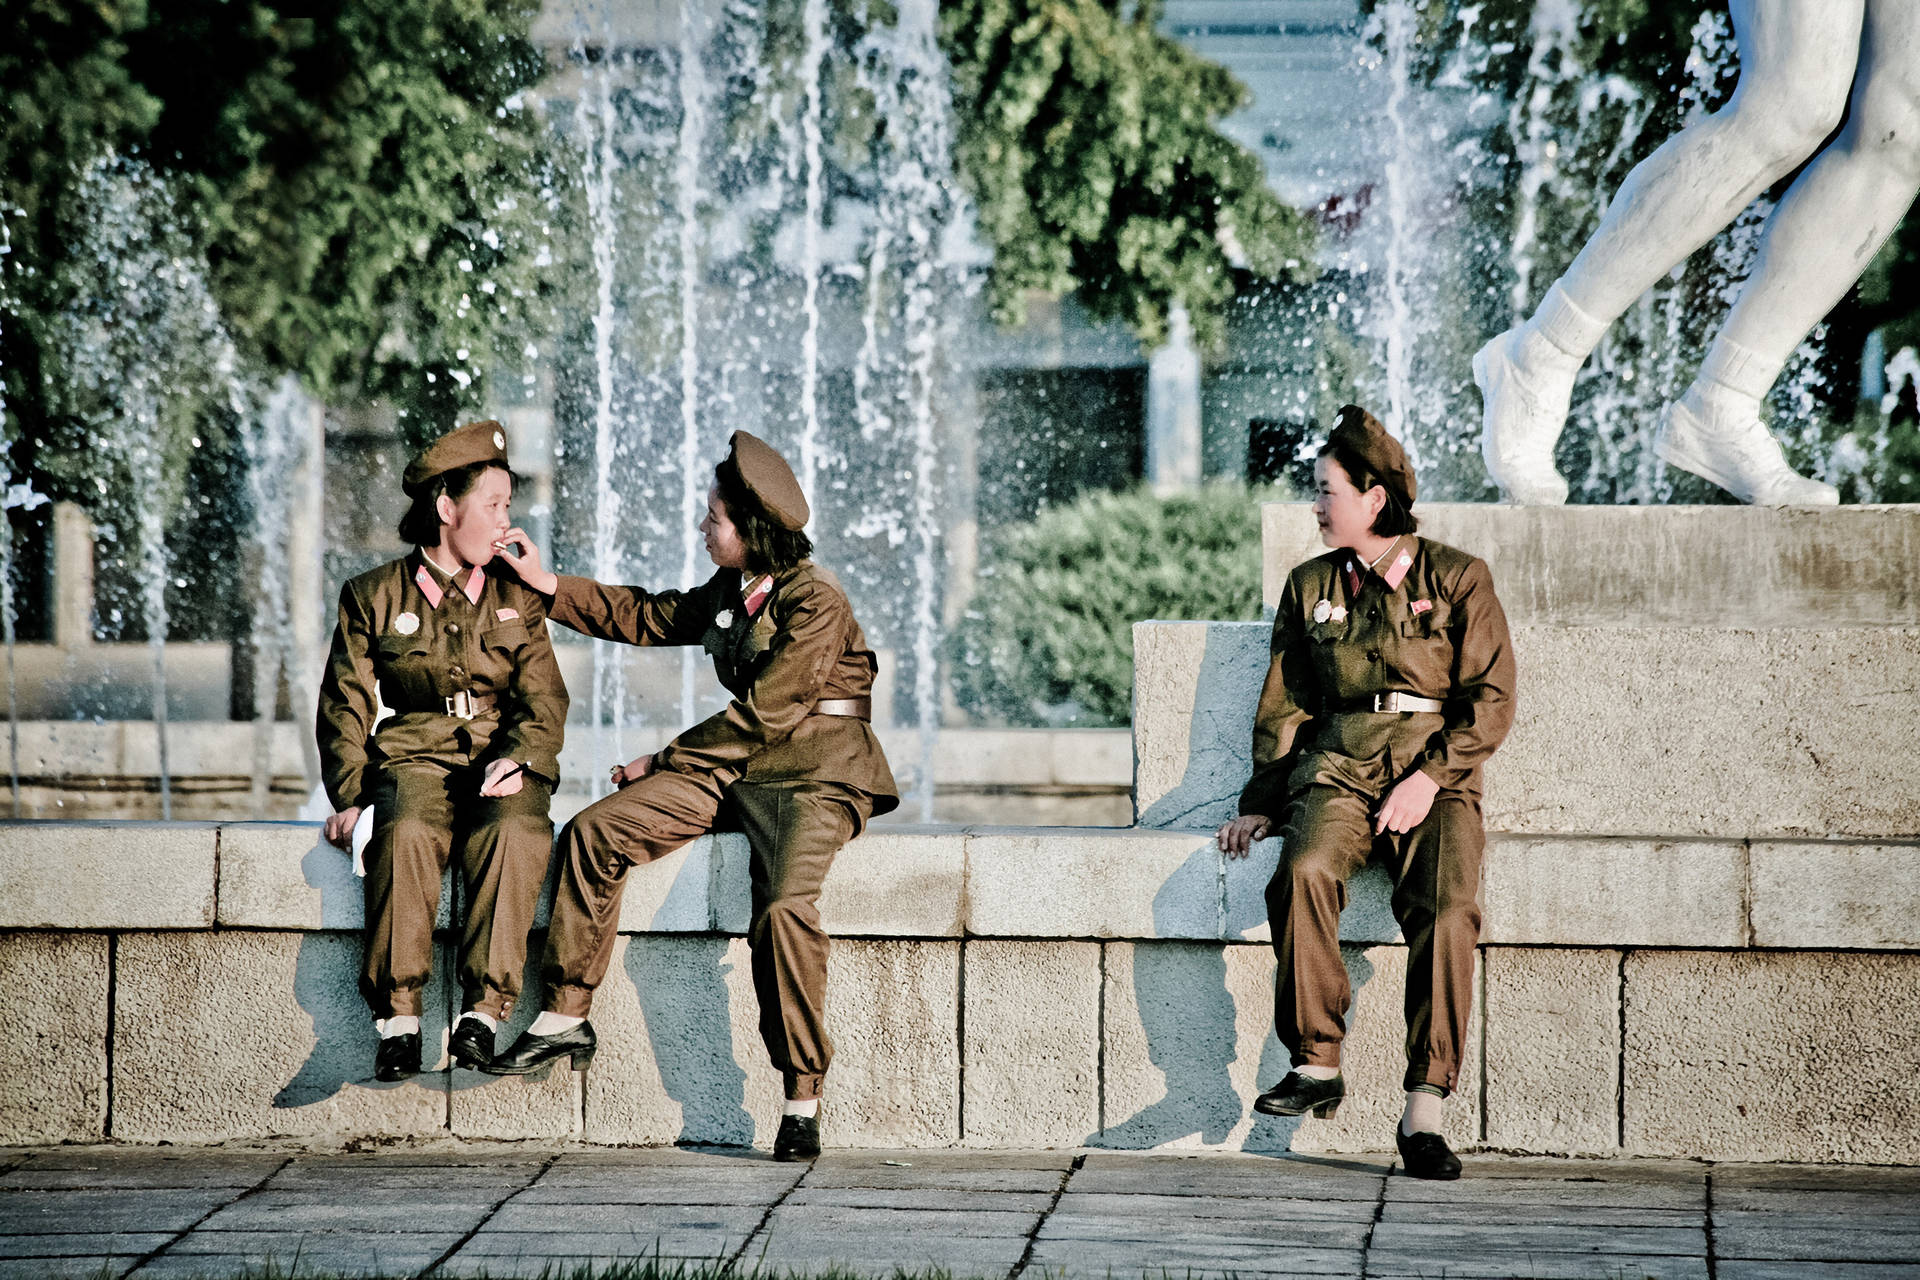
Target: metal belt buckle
(1382, 702)
(461, 704)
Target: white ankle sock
(1741, 371)
(485, 1019)
(1318, 1073)
(802, 1107)
(1560, 332)
(552, 1024)
(1422, 1114)
(401, 1024)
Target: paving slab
(454, 1208)
(1441, 1239)
(1215, 1208)
(1183, 1259)
(737, 1221)
(82, 1244)
(297, 1256)
(102, 1168)
(1033, 1171)
(942, 1199)
(1356, 1177)
(57, 1212)
(1181, 1227)
(1772, 1234)
(822, 1221)
(1385, 1264)
(1751, 1269)
(64, 1268)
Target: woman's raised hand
(526, 561)
(1238, 836)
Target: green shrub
(1048, 640)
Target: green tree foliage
(360, 177)
(1049, 637)
(1090, 143)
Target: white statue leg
(1797, 58)
(1826, 231)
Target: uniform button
(456, 671)
(1374, 614)
(1373, 655)
(453, 628)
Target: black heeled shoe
(1297, 1094)
(1426, 1155)
(397, 1057)
(798, 1139)
(471, 1045)
(530, 1052)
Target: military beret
(1361, 433)
(766, 475)
(484, 441)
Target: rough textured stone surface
(284, 875)
(1594, 565)
(1032, 1037)
(53, 1060)
(897, 882)
(1553, 1049)
(541, 1106)
(1049, 882)
(1195, 687)
(1773, 1056)
(1190, 1044)
(243, 1035)
(1614, 892)
(681, 1058)
(1826, 895)
(1822, 747)
(673, 894)
(81, 875)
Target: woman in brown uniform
(792, 757)
(466, 761)
(1391, 683)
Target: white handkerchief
(362, 832)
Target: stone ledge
(1041, 882)
(1617, 733)
(107, 875)
(1596, 565)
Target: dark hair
(1396, 516)
(421, 524)
(770, 547)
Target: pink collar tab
(758, 596)
(1397, 571)
(423, 578)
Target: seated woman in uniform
(793, 759)
(1391, 683)
(466, 763)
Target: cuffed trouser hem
(1325, 1053)
(402, 1003)
(1434, 1075)
(570, 1002)
(488, 1000)
(801, 1086)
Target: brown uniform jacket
(1441, 633)
(391, 633)
(804, 645)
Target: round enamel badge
(1323, 611)
(406, 624)
(499, 440)
(723, 619)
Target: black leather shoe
(398, 1057)
(471, 1045)
(530, 1052)
(798, 1139)
(1296, 1095)
(1426, 1155)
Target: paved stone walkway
(511, 1210)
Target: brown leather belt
(852, 708)
(1388, 703)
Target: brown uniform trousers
(417, 638)
(1430, 627)
(799, 783)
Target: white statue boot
(1715, 432)
(1526, 379)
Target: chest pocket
(397, 649)
(1433, 622)
(508, 636)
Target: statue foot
(1524, 413)
(1736, 452)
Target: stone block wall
(989, 988)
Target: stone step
(1664, 566)
(987, 988)
(1015, 882)
(1654, 731)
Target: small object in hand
(510, 547)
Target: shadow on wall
(326, 986)
(684, 999)
(1200, 1003)
(1232, 667)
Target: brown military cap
(484, 441)
(766, 476)
(1361, 432)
